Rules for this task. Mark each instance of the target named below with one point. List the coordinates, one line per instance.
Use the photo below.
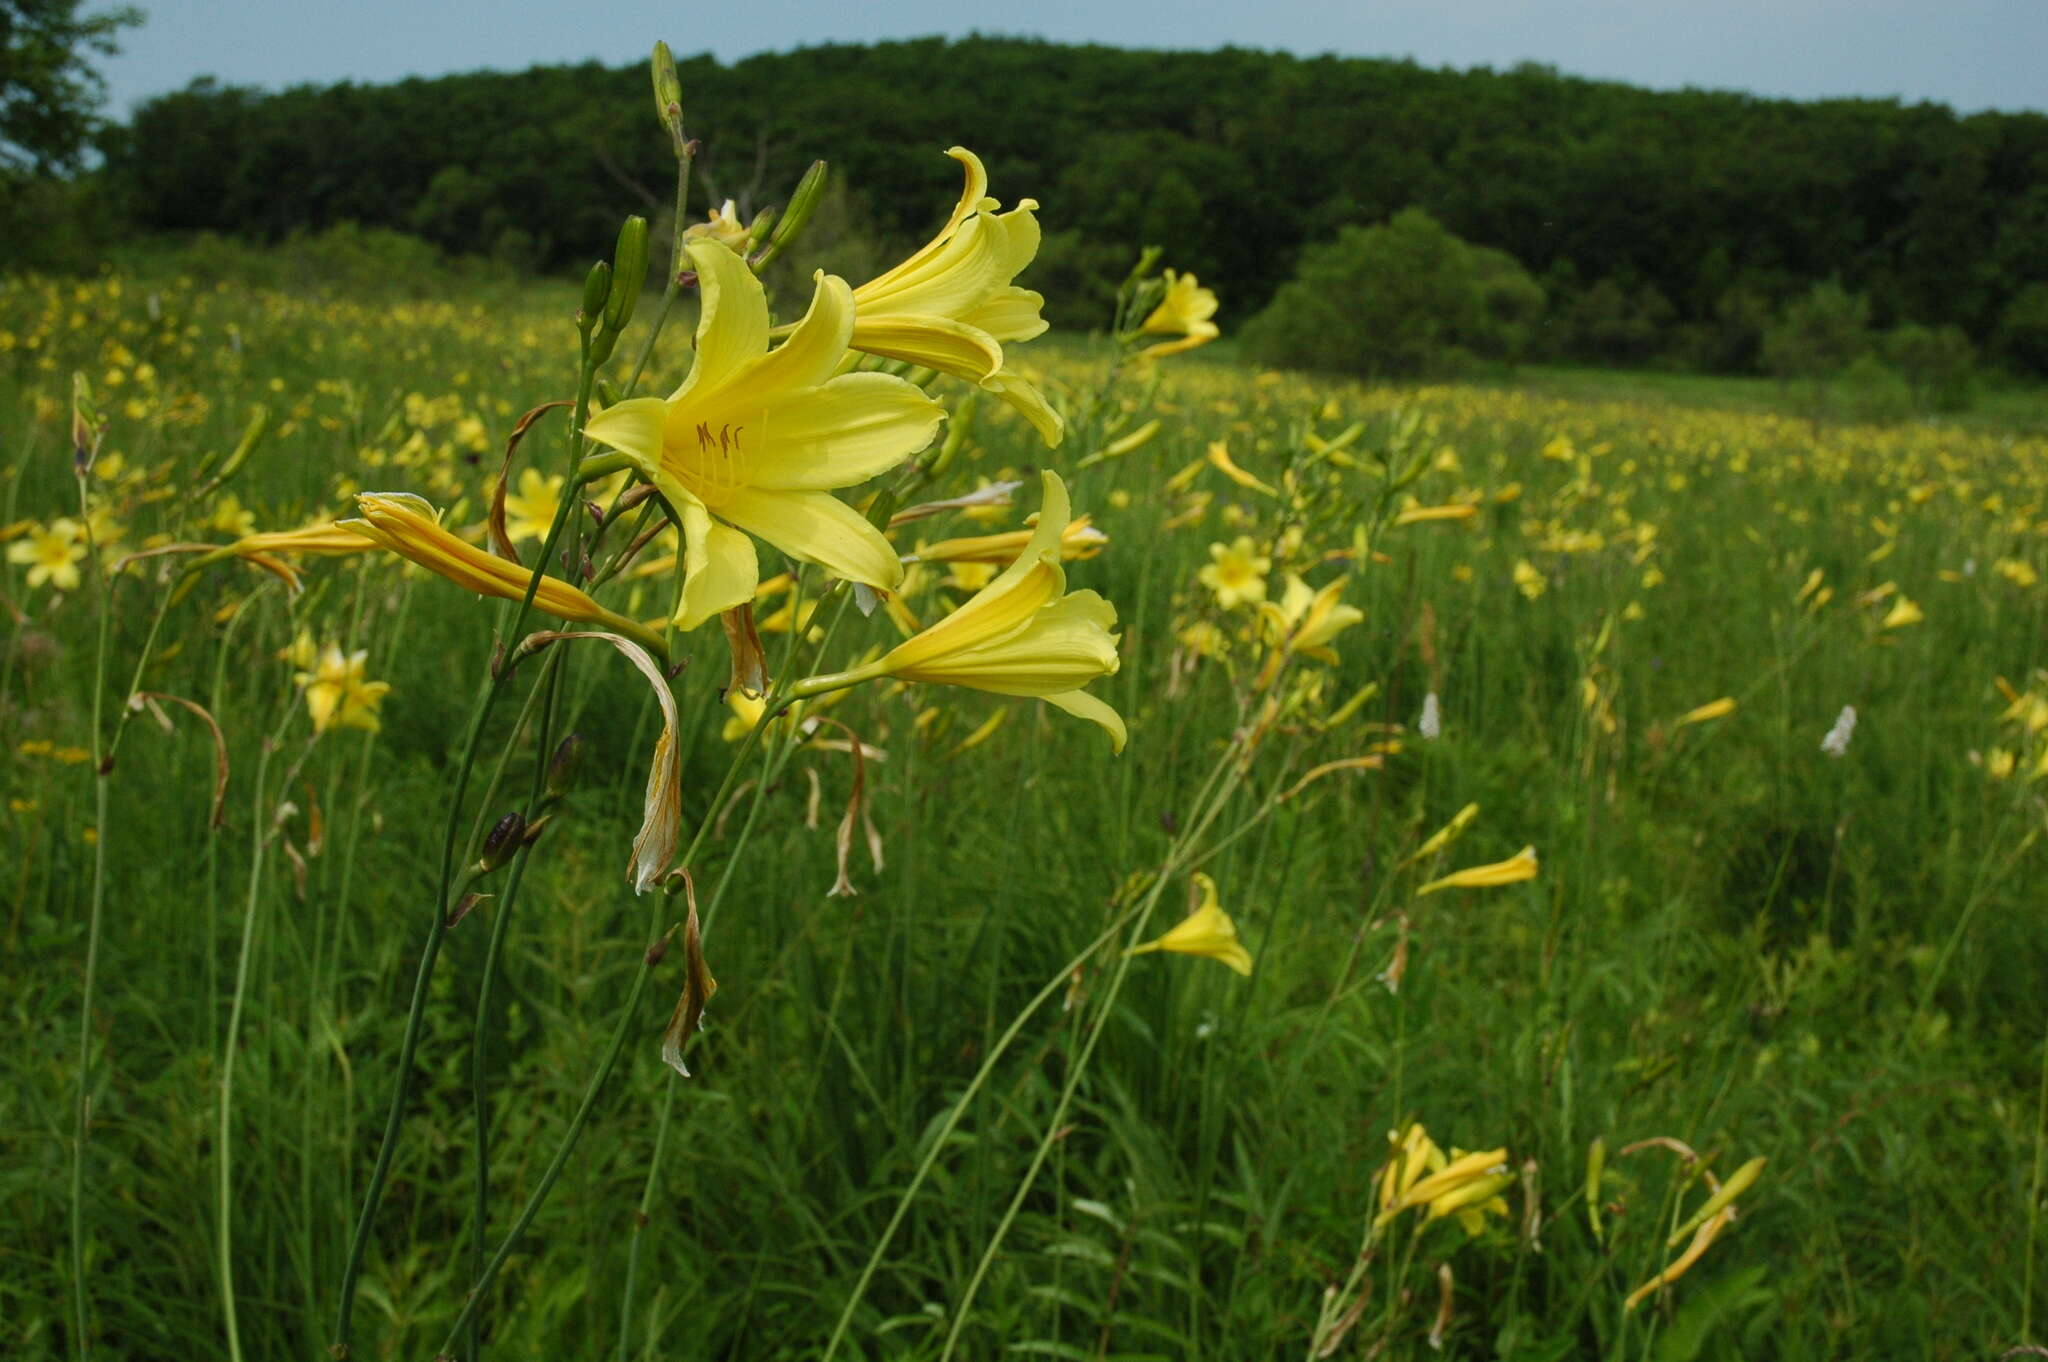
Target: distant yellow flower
(1236, 573)
(1516, 868)
(1418, 515)
(1080, 540)
(1219, 458)
(722, 226)
(951, 306)
(52, 553)
(1418, 1174)
(1206, 931)
(1022, 634)
(530, 512)
(755, 439)
(1713, 709)
(1528, 580)
(1183, 313)
(229, 517)
(1304, 621)
(407, 526)
(1902, 614)
(337, 695)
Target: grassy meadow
(1737, 945)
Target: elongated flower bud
(504, 839)
(563, 765)
(796, 215)
(629, 274)
(597, 286)
(668, 94)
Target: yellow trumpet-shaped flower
(755, 439)
(338, 695)
(407, 526)
(1445, 835)
(52, 554)
(1236, 572)
(1304, 620)
(1183, 313)
(952, 304)
(1516, 868)
(1902, 614)
(1022, 634)
(323, 538)
(1208, 931)
(1702, 1239)
(723, 226)
(1079, 540)
(1420, 1175)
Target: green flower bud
(796, 214)
(629, 274)
(668, 94)
(597, 286)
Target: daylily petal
(719, 567)
(1082, 705)
(951, 347)
(732, 322)
(1021, 394)
(814, 348)
(815, 527)
(633, 427)
(840, 434)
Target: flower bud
(563, 765)
(629, 274)
(597, 286)
(504, 839)
(668, 94)
(796, 214)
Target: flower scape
(1062, 832)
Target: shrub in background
(1397, 300)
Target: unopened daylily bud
(629, 274)
(796, 214)
(597, 286)
(504, 839)
(252, 438)
(757, 234)
(563, 765)
(668, 94)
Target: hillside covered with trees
(1655, 221)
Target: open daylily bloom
(1183, 313)
(951, 305)
(1080, 540)
(755, 439)
(337, 693)
(1304, 621)
(1516, 868)
(722, 226)
(1206, 931)
(1022, 634)
(1452, 1185)
(407, 526)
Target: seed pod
(504, 839)
(563, 765)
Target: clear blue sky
(1973, 54)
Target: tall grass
(1735, 941)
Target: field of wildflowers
(1493, 874)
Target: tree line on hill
(1656, 227)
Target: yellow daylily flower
(1422, 515)
(1080, 540)
(1183, 313)
(951, 305)
(1219, 458)
(1207, 931)
(229, 517)
(1702, 1239)
(1304, 621)
(337, 695)
(1452, 1184)
(755, 439)
(723, 226)
(1236, 572)
(322, 538)
(530, 512)
(52, 554)
(408, 527)
(1516, 868)
(1022, 634)
(1713, 709)
(1902, 613)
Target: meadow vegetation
(1636, 788)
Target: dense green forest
(1656, 222)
